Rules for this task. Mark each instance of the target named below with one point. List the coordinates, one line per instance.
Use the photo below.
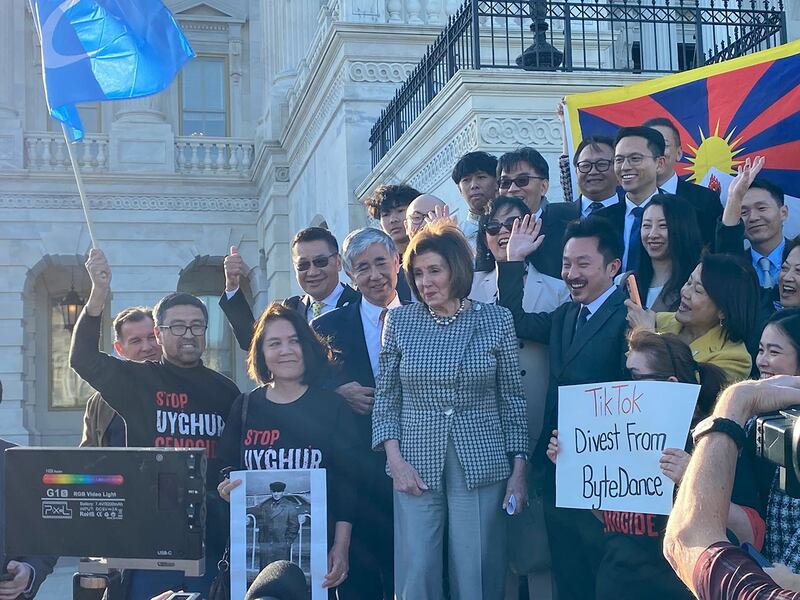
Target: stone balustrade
(218, 157)
(47, 151)
(213, 156)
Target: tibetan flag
(725, 113)
(95, 50)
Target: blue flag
(94, 50)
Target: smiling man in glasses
(316, 261)
(175, 402)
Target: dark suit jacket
(596, 354)
(42, 565)
(241, 319)
(708, 206)
(345, 330)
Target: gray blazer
(456, 382)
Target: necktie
(594, 207)
(634, 241)
(583, 316)
(316, 308)
(766, 274)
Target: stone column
(140, 138)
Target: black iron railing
(634, 36)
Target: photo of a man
(278, 523)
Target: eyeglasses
(520, 181)
(601, 166)
(633, 159)
(494, 227)
(320, 262)
(180, 330)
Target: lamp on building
(541, 55)
(71, 306)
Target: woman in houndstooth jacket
(450, 414)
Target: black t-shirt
(316, 431)
(163, 405)
(633, 566)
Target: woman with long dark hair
(292, 422)
(672, 244)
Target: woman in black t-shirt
(633, 566)
(291, 422)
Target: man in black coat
(370, 259)
(316, 260)
(27, 573)
(587, 344)
(525, 173)
(705, 201)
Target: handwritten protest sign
(611, 436)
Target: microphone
(279, 580)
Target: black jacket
(240, 315)
(595, 355)
(707, 205)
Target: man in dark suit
(755, 211)
(370, 259)
(587, 344)
(594, 165)
(524, 173)
(705, 201)
(638, 159)
(316, 260)
(27, 573)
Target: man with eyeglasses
(524, 173)
(175, 402)
(594, 165)
(371, 261)
(419, 210)
(706, 202)
(638, 160)
(316, 260)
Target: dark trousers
(576, 546)
(372, 545)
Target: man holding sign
(586, 343)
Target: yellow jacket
(713, 347)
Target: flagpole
(81, 191)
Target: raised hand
(235, 269)
(98, 269)
(100, 275)
(738, 188)
(745, 175)
(441, 213)
(524, 239)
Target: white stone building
(266, 132)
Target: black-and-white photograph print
(279, 515)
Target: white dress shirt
(670, 185)
(629, 218)
(371, 320)
(328, 304)
(595, 304)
